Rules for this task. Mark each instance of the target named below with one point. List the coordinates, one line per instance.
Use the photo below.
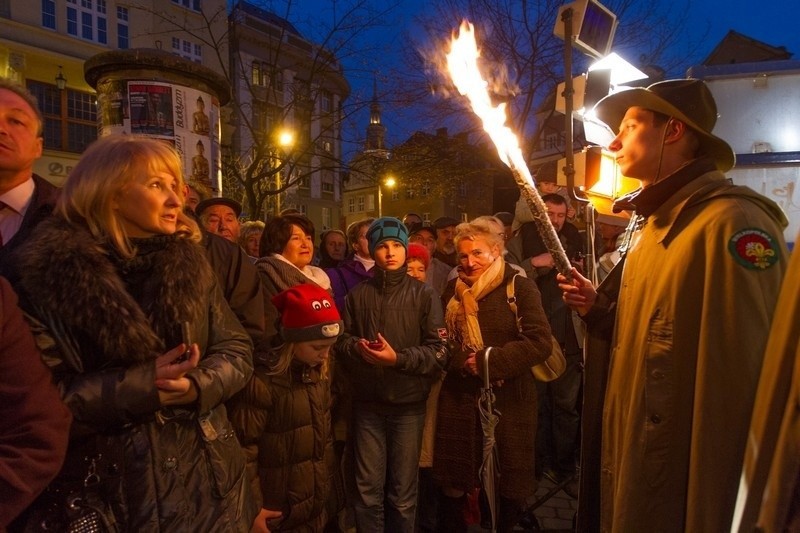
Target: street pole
(380, 199)
(278, 196)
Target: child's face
(390, 255)
(313, 353)
(416, 269)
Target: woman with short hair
(250, 238)
(287, 248)
(479, 318)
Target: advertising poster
(151, 109)
(184, 117)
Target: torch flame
(462, 62)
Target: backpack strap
(511, 298)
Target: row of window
(187, 49)
(327, 184)
(263, 74)
(88, 20)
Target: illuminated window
(70, 117)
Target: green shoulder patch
(754, 248)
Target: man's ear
(674, 130)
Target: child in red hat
(283, 415)
(417, 261)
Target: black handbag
(74, 507)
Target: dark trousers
(428, 496)
(559, 419)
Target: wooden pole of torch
(546, 229)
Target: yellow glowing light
(462, 62)
(285, 138)
(390, 182)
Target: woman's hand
(383, 356)
(579, 294)
(260, 523)
(174, 388)
(471, 364)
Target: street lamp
(285, 139)
(390, 183)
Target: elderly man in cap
(445, 247)
(220, 216)
(677, 330)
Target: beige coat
(772, 459)
(692, 323)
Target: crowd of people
(165, 366)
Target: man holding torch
(684, 319)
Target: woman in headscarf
(142, 346)
(479, 317)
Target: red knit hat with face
(418, 252)
(307, 314)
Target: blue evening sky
(771, 21)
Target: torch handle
(543, 225)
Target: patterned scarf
(462, 309)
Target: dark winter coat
(284, 425)
(408, 314)
(345, 277)
(241, 287)
(34, 423)
(100, 322)
(41, 207)
(458, 445)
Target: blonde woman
(145, 350)
(479, 317)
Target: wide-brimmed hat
(687, 100)
(205, 204)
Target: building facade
(285, 120)
(43, 45)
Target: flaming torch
(462, 62)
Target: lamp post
(390, 183)
(285, 141)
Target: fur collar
(73, 279)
